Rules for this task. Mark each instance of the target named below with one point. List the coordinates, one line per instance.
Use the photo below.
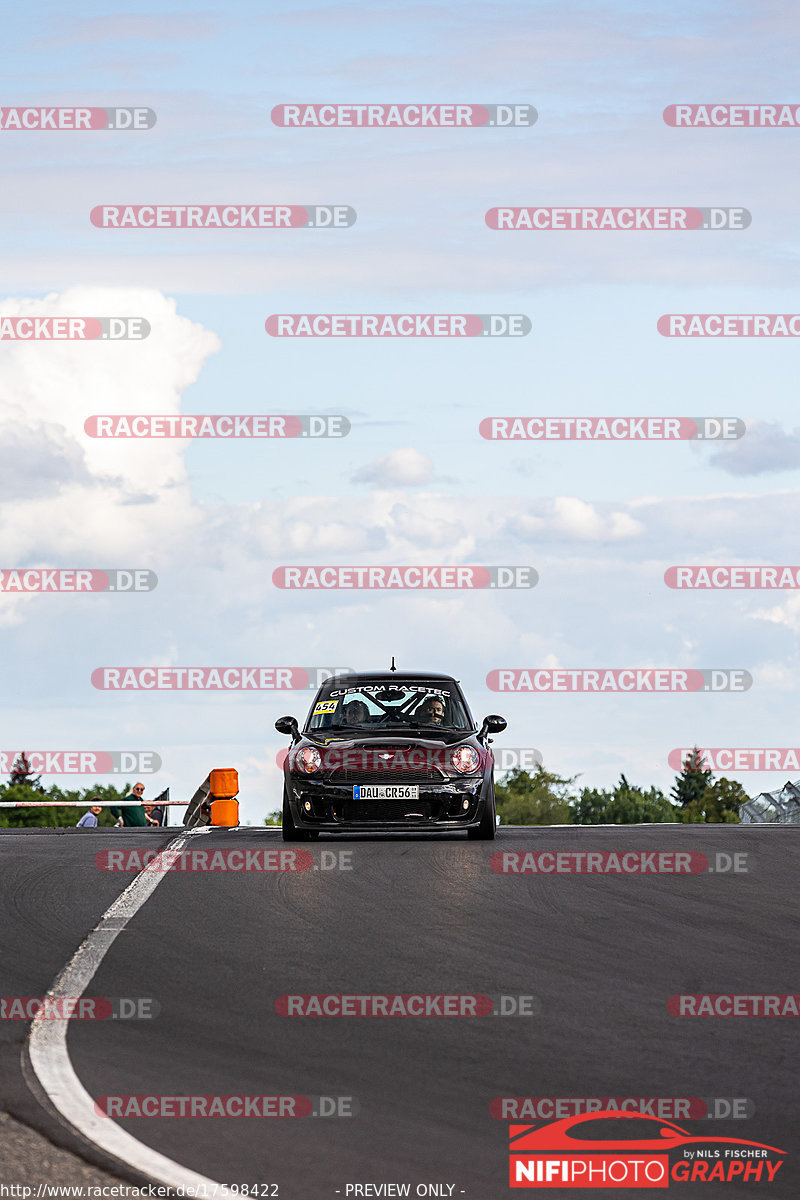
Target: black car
(389, 751)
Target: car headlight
(465, 759)
(308, 759)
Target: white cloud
(777, 676)
(38, 460)
(405, 467)
(64, 494)
(428, 523)
(571, 518)
(766, 446)
(787, 614)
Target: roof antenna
(392, 667)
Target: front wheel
(289, 830)
(485, 831)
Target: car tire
(289, 830)
(485, 831)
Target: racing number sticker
(325, 706)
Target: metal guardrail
(198, 809)
(87, 803)
(779, 807)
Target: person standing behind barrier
(89, 819)
(132, 816)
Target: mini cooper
(389, 751)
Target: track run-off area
(377, 1010)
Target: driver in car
(355, 713)
(431, 711)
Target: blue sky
(600, 523)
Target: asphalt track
(601, 953)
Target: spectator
(153, 813)
(131, 815)
(89, 819)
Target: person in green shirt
(132, 815)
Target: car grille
(401, 775)
(381, 810)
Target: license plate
(385, 791)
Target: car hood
(390, 738)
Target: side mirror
(492, 724)
(289, 726)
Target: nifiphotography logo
(613, 1149)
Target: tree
(701, 799)
(626, 804)
(22, 774)
(537, 797)
(719, 804)
(694, 778)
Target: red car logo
(634, 1131)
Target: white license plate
(385, 791)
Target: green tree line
(541, 797)
(538, 797)
(24, 786)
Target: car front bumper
(326, 805)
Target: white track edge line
(46, 1047)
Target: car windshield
(424, 707)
